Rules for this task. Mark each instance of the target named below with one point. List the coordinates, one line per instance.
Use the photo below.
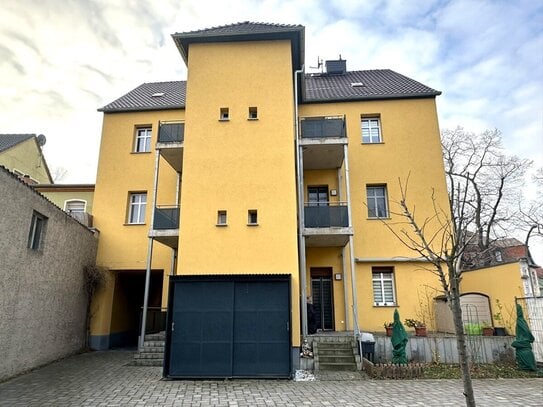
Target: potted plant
(420, 327)
(388, 328)
(499, 329)
(487, 329)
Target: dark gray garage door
(228, 326)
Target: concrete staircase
(335, 352)
(153, 350)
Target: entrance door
(323, 297)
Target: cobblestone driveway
(106, 379)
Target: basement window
(221, 218)
(252, 217)
(253, 113)
(224, 114)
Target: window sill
(385, 305)
(133, 224)
(252, 119)
(252, 224)
(221, 225)
(224, 120)
(384, 218)
(140, 152)
(365, 144)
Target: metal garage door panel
(201, 339)
(261, 329)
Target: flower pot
(500, 331)
(420, 330)
(389, 330)
(488, 331)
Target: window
(317, 196)
(371, 130)
(142, 143)
(75, 205)
(383, 286)
(136, 208)
(221, 218)
(498, 256)
(37, 231)
(224, 114)
(253, 113)
(377, 201)
(252, 217)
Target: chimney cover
(336, 66)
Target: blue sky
(61, 60)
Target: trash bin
(366, 343)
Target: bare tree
(440, 238)
(483, 183)
(59, 173)
(489, 180)
(530, 213)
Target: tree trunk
(461, 340)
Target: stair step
(151, 355)
(336, 359)
(161, 336)
(332, 352)
(154, 344)
(338, 366)
(153, 349)
(147, 362)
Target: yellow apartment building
(22, 154)
(235, 196)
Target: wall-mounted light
(333, 192)
(338, 276)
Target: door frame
(325, 272)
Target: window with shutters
(383, 286)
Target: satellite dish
(41, 140)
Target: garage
(228, 326)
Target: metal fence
(533, 312)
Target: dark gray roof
(246, 31)
(371, 84)
(318, 88)
(11, 140)
(142, 98)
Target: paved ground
(107, 379)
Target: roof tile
(10, 140)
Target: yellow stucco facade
(239, 155)
(26, 158)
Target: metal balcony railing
(83, 217)
(322, 215)
(322, 127)
(166, 217)
(171, 132)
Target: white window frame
(380, 275)
(69, 201)
(142, 139)
(137, 205)
(375, 199)
(369, 126)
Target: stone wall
(42, 296)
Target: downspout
(300, 190)
(149, 258)
(174, 251)
(343, 263)
(351, 245)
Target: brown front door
(323, 297)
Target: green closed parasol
(399, 341)
(523, 343)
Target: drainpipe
(351, 244)
(343, 262)
(149, 258)
(300, 190)
(174, 251)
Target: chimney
(336, 66)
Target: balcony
(171, 137)
(322, 139)
(326, 225)
(82, 217)
(166, 225)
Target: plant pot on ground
(420, 327)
